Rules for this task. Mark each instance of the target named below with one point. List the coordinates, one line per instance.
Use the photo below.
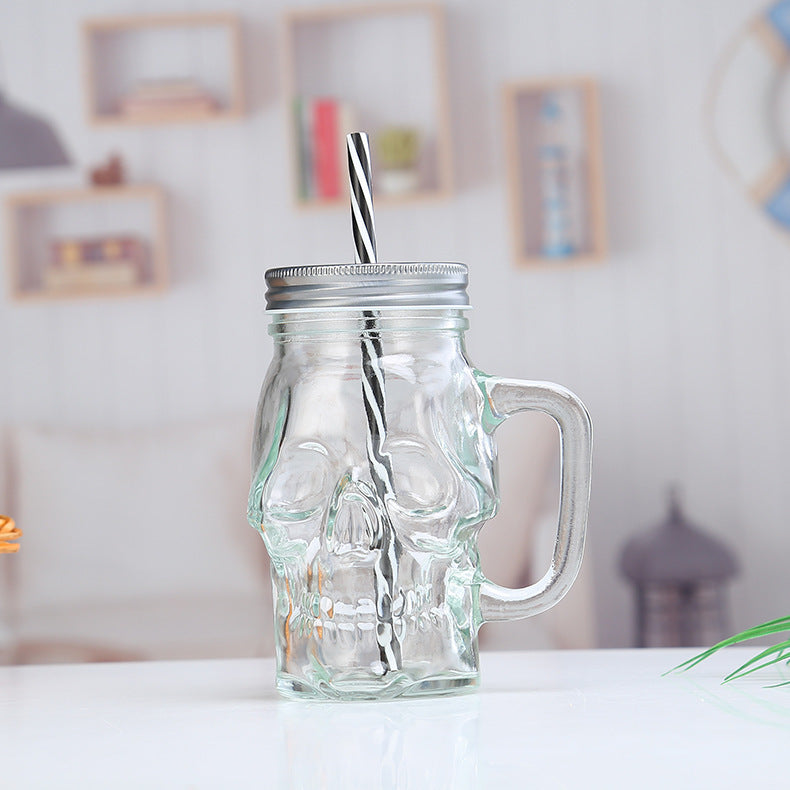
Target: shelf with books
(555, 171)
(379, 68)
(86, 242)
(176, 68)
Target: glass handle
(507, 397)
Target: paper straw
(385, 570)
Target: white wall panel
(680, 344)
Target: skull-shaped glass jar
(374, 468)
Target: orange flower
(8, 532)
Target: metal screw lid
(367, 285)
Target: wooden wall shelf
(385, 66)
(125, 222)
(175, 68)
(555, 171)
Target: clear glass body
(326, 527)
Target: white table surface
(576, 719)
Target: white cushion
(5, 507)
(5, 504)
(119, 517)
(527, 452)
(138, 540)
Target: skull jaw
(327, 629)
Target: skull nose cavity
(353, 520)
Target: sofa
(136, 544)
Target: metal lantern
(680, 575)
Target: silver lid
(366, 285)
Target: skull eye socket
(425, 483)
(297, 487)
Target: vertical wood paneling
(680, 344)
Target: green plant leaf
(778, 626)
(750, 667)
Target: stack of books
(322, 125)
(89, 264)
(153, 99)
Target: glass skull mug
(370, 514)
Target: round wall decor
(745, 110)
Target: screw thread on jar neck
(351, 323)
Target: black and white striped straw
(361, 191)
(373, 396)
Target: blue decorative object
(779, 16)
(778, 205)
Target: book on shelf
(79, 263)
(184, 87)
(321, 125)
(141, 112)
(77, 253)
(325, 147)
(303, 146)
(153, 98)
(118, 274)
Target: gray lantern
(680, 575)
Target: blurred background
(613, 172)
